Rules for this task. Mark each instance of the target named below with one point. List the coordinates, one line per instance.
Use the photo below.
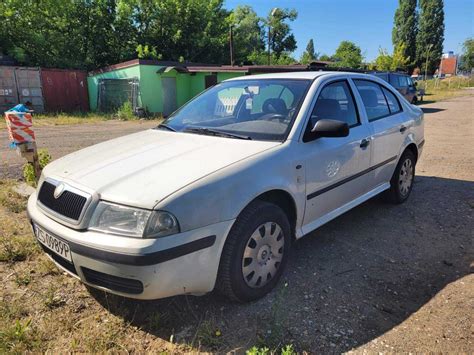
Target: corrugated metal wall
(19, 85)
(65, 90)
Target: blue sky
(368, 23)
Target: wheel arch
(413, 148)
(285, 201)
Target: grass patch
(10, 199)
(443, 89)
(19, 337)
(208, 335)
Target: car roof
(309, 75)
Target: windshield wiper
(215, 132)
(165, 126)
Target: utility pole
(231, 45)
(269, 45)
(270, 35)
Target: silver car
(214, 197)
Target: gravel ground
(380, 278)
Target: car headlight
(132, 222)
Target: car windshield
(245, 109)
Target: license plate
(54, 244)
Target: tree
(405, 29)
(394, 62)
(325, 58)
(383, 60)
(248, 33)
(430, 37)
(281, 39)
(348, 55)
(309, 55)
(467, 57)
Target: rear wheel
(255, 253)
(403, 177)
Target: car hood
(143, 168)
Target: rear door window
(373, 99)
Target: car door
(333, 165)
(384, 114)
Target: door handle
(364, 143)
(403, 129)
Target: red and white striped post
(21, 134)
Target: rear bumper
(185, 263)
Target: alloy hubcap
(405, 179)
(263, 254)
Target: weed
(286, 350)
(208, 335)
(51, 299)
(18, 337)
(125, 112)
(44, 158)
(23, 279)
(258, 351)
(17, 248)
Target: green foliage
(261, 58)
(430, 36)
(348, 55)
(309, 55)
(18, 337)
(286, 350)
(248, 33)
(144, 52)
(467, 58)
(125, 112)
(29, 174)
(29, 171)
(258, 351)
(281, 39)
(405, 27)
(394, 62)
(325, 58)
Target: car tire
(403, 178)
(414, 101)
(257, 247)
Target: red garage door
(64, 90)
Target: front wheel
(403, 177)
(255, 253)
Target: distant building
(161, 87)
(448, 64)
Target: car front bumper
(184, 263)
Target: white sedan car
(214, 197)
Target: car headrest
(275, 105)
(329, 109)
(369, 97)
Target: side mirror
(328, 128)
(415, 84)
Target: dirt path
(61, 140)
(379, 278)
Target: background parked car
(402, 82)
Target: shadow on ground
(431, 109)
(347, 283)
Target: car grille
(111, 282)
(69, 204)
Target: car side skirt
(343, 209)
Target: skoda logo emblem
(58, 191)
